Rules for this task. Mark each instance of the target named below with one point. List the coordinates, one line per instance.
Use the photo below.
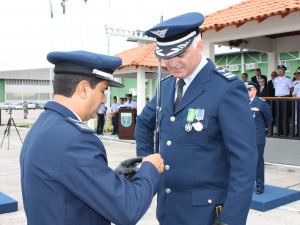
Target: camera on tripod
(9, 111)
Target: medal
(188, 127)
(199, 116)
(190, 118)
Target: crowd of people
(279, 85)
(124, 102)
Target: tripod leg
(17, 130)
(6, 131)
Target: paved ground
(118, 150)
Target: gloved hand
(218, 222)
(129, 167)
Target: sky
(28, 33)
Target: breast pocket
(196, 136)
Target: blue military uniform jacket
(215, 166)
(66, 180)
(262, 116)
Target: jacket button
(168, 190)
(167, 167)
(172, 118)
(209, 201)
(169, 143)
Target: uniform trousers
(115, 123)
(260, 169)
(100, 124)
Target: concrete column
(272, 60)
(140, 84)
(209, 50)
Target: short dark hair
(258, 70)
(65, 84)
(246, 74)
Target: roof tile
(247, 11)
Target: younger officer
(210, 157)
(263, 119)
(64, 173)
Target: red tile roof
(249, 10)
(139, 56)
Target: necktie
(180, 85)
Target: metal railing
(286, 118)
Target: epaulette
(225, 73)
(166, 78)
(81, 126)
(262, 99)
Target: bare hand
(156, 160)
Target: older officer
(263, 118)
(64, 173)
(207, 139)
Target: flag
(63, 5)
(51, 12)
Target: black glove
(218, 222)
(129, 167)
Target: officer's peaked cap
(86, 63)
(175, 35)
(281, 67)
(251, 84)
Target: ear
(200, 45)
(83, 89)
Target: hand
(156, 160)
(129, 167)
(218, 222)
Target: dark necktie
(180, 85)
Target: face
(95, 98)
(281, 72)
(257, 73)
(251, 92)
(273, 75)
(181, 66)
(297, 77)
(261, 82)
(244, 77)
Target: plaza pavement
(118, 150)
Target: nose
(104, 99)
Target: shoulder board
(262, 99)
(166, 78)
(79, 125)
(225, 73)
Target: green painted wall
(2, 90)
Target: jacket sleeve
(266, 110)
(144, 129)
(238, 132)
(85, 173)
